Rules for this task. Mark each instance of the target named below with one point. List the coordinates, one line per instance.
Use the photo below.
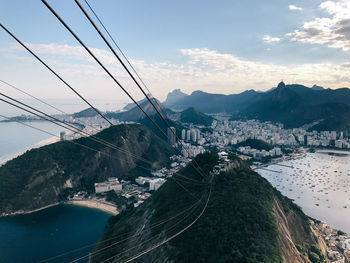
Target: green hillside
(37, 178)
(239, 224)
(256, 144)
(191, 115)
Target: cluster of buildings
(338, 243)
(190, 151)
(81, 195)
(258, 154)
(89, 125)
(226, 133)
(112, 184)
(192, 135)
(154, 183)
(139, 191)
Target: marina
(318, 183)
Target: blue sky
(216, 46)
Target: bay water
(319, 183)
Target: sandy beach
(38, 145)
(104, 206)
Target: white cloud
(333, 31)
(294, 8)
(204, 69)
(270, 39)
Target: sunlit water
(319, 183)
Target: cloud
(294, 8)
(203, 68)
(333, 30)
(270, 39)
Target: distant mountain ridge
(293, 105)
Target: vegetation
(238, 225)
(293, 105)
(256, 144)
(191, 115)
(37, 178)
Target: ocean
(50, 232)
(15, 137)
(319, 183)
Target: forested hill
(246, 220)
(48, 174)
(293, 105)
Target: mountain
(42, 176)
(89, 112)
(246, 220)
(293, 105)
(191, 115)
(296, 105)
(131, 105)
(218, 102)
(173, 97)
(315, 87)
(135, 114)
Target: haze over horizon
(217, 48)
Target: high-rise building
(188, 135)
(193, 135)
(171, 135)
(183, 134)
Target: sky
(224, 46)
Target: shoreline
(25, 212)
(94, 204)
(42, 143)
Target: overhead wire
(113, 78)
(76, 130)
(125, 67)
(104, 116)
(100, 63)
(154, 225)
(47, 104)
(120, 50)
(106, 154)
(54, 72)
(162, 242)
(103, 250)
(68, 126)
(71, 141)
(174, 235)
(116, 55)
(107, 71)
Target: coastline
(103, 206)
(25, 212)
(42, 143)
(93, 204)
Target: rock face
(246, 220)
(47, 175)
(173, 97)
